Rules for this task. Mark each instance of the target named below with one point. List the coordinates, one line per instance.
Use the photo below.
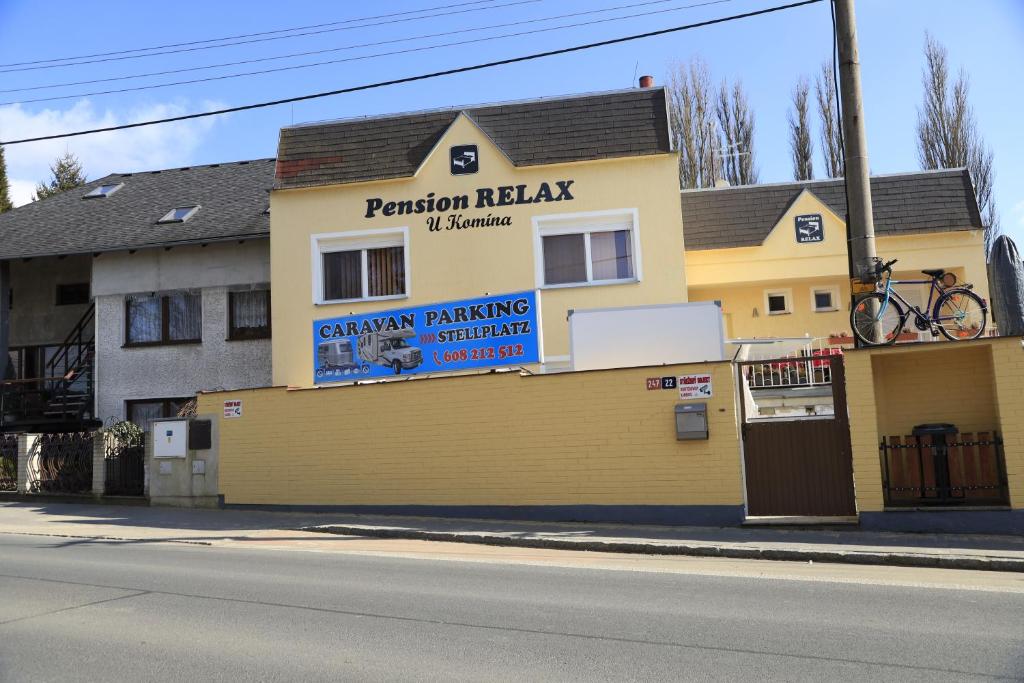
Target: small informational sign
(491, 331)
(233, 408)
(653, 383)
(668, 382)
(809, 228)
(694, 386)
(465, 159)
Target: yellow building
(572, 199)
(775, 254)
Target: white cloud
(136, 149)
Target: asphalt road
(80, 609)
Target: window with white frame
(361, 266)
(585, 249)
(824, 299)
(778, 301)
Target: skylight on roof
(104, 191)
(179, 215)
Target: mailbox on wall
(691, 421)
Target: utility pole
(860, 222)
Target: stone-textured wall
(124, 374)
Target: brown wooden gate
(800, 466)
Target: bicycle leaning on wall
(880, 317)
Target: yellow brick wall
(493, 439)
(975, 385)
(1008, 366)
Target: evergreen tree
(800, 143)
(5, 190)
(67, 174)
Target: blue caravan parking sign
(456, 335)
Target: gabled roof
(233, 197)
(907, 203)
(622, 123)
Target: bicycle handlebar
(884, 267)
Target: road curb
(894, 559)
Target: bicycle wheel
(960, 314)
(873, 310)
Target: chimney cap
(647, 81)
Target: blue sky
(986, 37)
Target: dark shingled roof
(546, 131)
(233, 197)
(928, 201)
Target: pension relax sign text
(482, 198)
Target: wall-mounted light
(755, 314)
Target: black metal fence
(124, 458)
(65, 463)
(969, 470)
(8, 462)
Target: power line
(421, 77)
(426, 48)
(263, 40)
(242, 35)
(344, 47)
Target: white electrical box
(636, 336)
(169, 438)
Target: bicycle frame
(934, 293)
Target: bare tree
(693, 123)
(828, 114)
(947, 133)
(736, 120)
(800, 133)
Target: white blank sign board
(169, 440)
(646, 335)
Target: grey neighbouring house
(122, 298)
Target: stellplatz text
(486, 197)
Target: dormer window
(103, 191)
(179, 215)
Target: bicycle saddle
(938, 272)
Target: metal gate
(797, 464)
(64, 463)
(8, 462)
(124, 456)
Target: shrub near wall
(587, 445)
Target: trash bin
(939, 433)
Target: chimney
(647, 81)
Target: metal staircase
(62, 399)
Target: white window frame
(786, 293)
(169, 216)
(820, 289)
(98, 193)
(358, 240)
(585, 223)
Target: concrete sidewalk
(142, 524)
